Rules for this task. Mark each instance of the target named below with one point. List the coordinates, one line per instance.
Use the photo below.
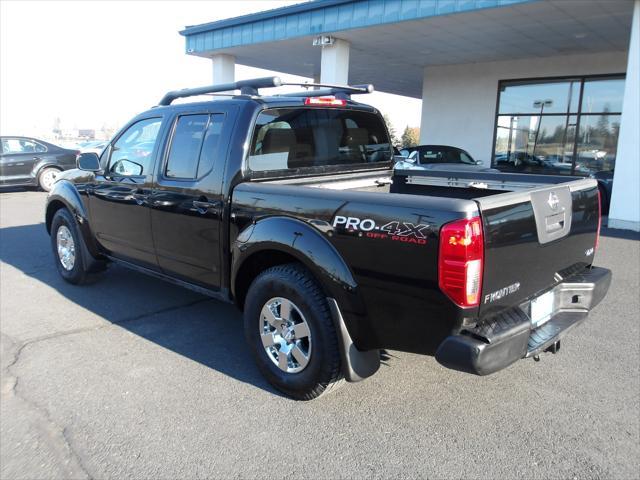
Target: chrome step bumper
(502, 340)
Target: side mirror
(404, 153)
(126, 167)
(88, 162)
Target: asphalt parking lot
(133, 377)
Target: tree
(392, 131)
(603, 122)
(410, 137)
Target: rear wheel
(47, 177)
(67, 246)
(288, 326)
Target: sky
(94, 63)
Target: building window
(560, 127)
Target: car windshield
(311, 138)
(444, 155)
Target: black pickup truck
(288, 206)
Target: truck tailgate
(534, 239)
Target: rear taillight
(599, 218)
(460, 261)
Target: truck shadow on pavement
(192, 325)
(622, 234)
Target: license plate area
(542, 309)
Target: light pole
(539, 104)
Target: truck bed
(454, 184)
(528, 246)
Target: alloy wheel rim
(285, 335)
(66, 248)
(48, 178)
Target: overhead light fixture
(323, 41)
(580, 35)
(542, 103)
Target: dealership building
(531, 86)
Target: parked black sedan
(439, 157)
(27, 161)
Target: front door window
(132, 153)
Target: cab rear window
(311, 138)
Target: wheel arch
(65, 195)
(252, 266)
(41, 165)
(277, 240)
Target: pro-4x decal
(395, 230)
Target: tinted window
(317, 137)
(465, 158)
(210, 146)
(185, 146)
(444, 155)
(194, 146)
(132, 152)
(20, 145)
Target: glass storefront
(559, 127)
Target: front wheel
(288, 326)
(67, 247)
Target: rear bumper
(508, 337)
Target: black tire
(78, 274)
(323, 370)
(43, 177)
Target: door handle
(140, 198)
(204, 206)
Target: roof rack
(250, 87)
(340, 91)
(246, 87)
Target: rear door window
(194, 146)
(21, 145)
(185, 146)
(311, 138)
(445, 155)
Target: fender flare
(65, 193)
(306, 244)
(320, 257)
(41, 165)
